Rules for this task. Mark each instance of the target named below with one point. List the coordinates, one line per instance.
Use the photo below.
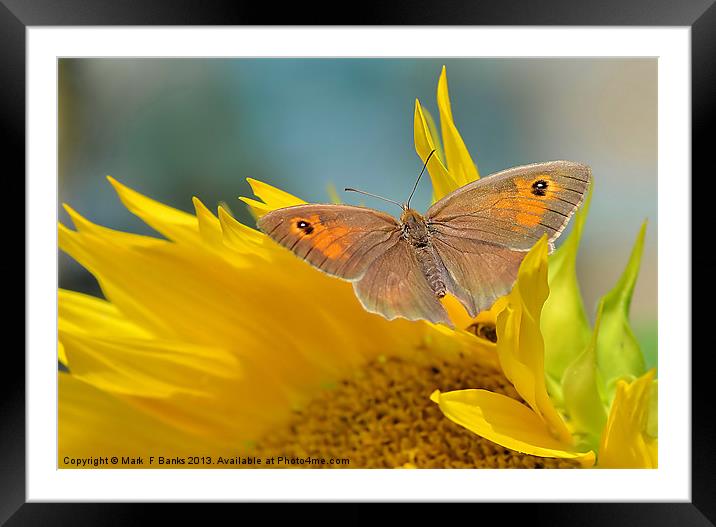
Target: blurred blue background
(177, 128)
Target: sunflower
(215, 347)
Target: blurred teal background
(177, 128)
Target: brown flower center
(382, 417)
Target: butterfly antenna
(373, 195)
(407, 205)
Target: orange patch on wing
(322, 238)
(530, 212)
(329, 244)
(524, 213)
(526, 219)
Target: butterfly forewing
(341, 240)
(513, 208)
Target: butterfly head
(411, 217)
(415, 229)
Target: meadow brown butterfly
(469, 244)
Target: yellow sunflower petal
(209, 225)
(272, 198)
(61, 354)
(146, 367)
(520, 347)
(84, 226)
(443, 183)
(256, 208)
(489, 316)
(461, 166)
(456, 311)
(462, 319)
(76, 245)
(652, 423)
(434, 134)
(505, 421)
(625, 442)
(82, 313)
(107, 350)
(242, 239)
(172, 223)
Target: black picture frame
(17, 15)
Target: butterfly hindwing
(340, 240)
(477, 273)
(395, 286)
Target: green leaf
(564, 321)
(580, 389)
(618, 352)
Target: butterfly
(470, 243)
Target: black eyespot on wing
(539, 187)
(306, 227)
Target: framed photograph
(401, 254)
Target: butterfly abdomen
(429, 266)
(416, 232)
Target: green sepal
(581, 391)
(618, 353)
